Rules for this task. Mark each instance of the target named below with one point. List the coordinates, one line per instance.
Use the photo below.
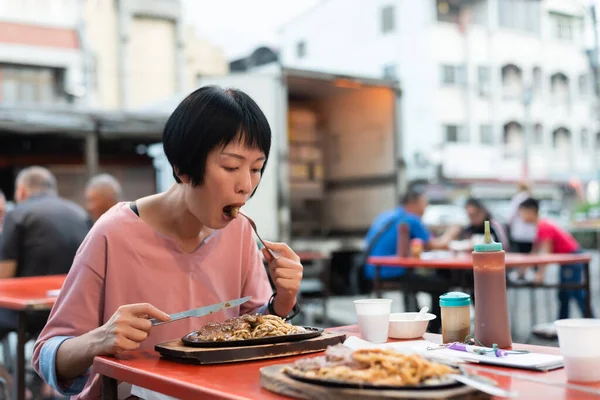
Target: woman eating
(172, 251)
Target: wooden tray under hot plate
(272, 379)
(177, 351)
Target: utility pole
(593, 57)
(527, 128)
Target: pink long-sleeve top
(124, 261)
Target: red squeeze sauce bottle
(403, 240)
(491, 308)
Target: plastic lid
(455, 299)
(488, 243)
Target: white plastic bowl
(403, 326)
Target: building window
(486, 135)
(512, 82)
(483, 80)
(563, 26)
(583, 85)
(448, 11)
(585, 139)
(561, 139)
(453, 75)
(559, 85)
(536, 80)
(513, 139)
(31, 85)
(455, 134)
(301, 49)
(389, 72)
(538, 135)
(480, 12)
(387, 19)
(520, 14)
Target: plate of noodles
(372, 369)
(249, 330)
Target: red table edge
(42, 302)
(311, 255)
(178, 389)
(27, 305)
(41, 278)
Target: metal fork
(296, 308)
(263, 243)
(257, 235)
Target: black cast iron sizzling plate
(311, 333)
(438, 383)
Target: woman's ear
(182, 177)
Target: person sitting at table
(478, 214)
(382, 240)
(40, 237)
(173, 251)
(522, 234)
(552, 239)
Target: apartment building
(492, 89)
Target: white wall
(334, 31)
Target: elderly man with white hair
(102, 192)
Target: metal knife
(199, 312)
(471, 380)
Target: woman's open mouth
(231, 211)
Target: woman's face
(231, 175)
(476, 215)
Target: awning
(79, 122)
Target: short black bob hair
(474, 202)
(208, 118)
(530, 204)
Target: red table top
(465, 262)
(311, 255)
(242, 380)
(30, 292)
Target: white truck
(335, 160)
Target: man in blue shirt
(384, 231)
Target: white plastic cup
(578, 342)
(373, 319)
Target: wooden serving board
(177, 351)
(272, 379)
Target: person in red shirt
(552, 239)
